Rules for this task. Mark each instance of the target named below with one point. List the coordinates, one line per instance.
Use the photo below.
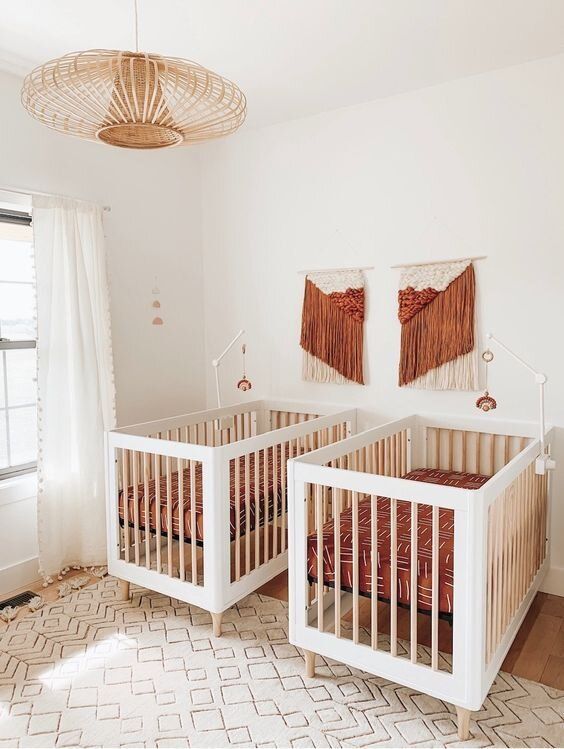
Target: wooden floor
(49, 593)
(537, 652)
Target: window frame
(23, 219)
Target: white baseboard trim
(554, 581)
(19, 575)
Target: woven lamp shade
(133, 99)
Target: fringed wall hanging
(333, 326)
(438, 326)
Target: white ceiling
(297, 57)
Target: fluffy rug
(93, 671)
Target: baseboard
(19, 575)
(554, 581)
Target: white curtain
(76, 401)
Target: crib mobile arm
(544, 462)
(216, 363)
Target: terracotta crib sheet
(266, 496)
(424, 545)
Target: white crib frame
(472, 672)
(218, 592)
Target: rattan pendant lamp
(133, 99)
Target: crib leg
(216, 623)
(124, 590)
(463, 716)
(309, 663)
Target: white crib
(348, 499)
(212, 486)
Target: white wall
(471, 167)
(153, 229)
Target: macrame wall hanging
(438, 326)
(333, 326)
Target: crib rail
(215, 427)
(155, 512)
(516, 551)
(172, 485)
(470, 451)
(346, 529)
(258, 483)
(421, 583)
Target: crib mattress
(266, 497)
(424, 545)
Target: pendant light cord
(136, 26)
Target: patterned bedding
(424, 545)
(265, 498)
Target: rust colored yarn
(441, 331)
(351, 301)
(332, 330)
(412, 301)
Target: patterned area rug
(91, 670)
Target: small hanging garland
(485, 402)
(244, 384)
(156, 305)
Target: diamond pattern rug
(91, 670)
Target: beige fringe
(460, 374)
(315, 370)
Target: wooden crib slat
(435, 589)
(437, 448)
(499, 572)
(247, 500)
(283, 475)
(374, 571)
(404, 442)
(146, 510)
(489, 579)
(181, 531)
(193, 529)
(464, 448)
(479, 452)
(266, 496)
(158, 524)
(355, 581)
(492, 454)
(237, 488)
(125, 500)
(413, 592)
(394, 576)
(257, 510)
(274, 501)
(337, 564)
(320, 576)
(506, 565)
(169, 538)
(381, 457)
(136, 533)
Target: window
(18, 334)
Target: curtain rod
(440, 262)
(335, 270)
(30, 193)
